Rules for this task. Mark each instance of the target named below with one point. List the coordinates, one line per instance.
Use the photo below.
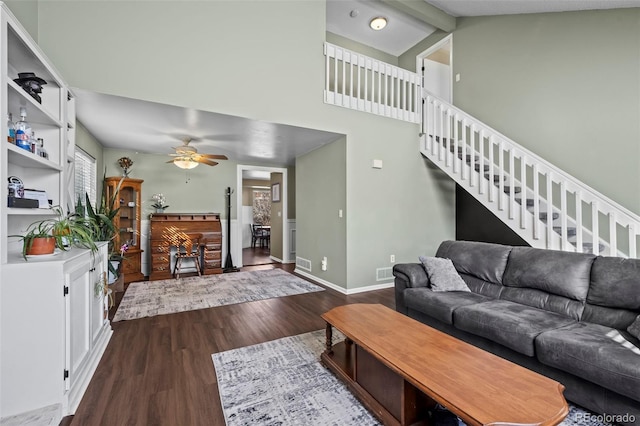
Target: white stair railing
(362, 83)
(544, 205)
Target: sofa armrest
(408, 275)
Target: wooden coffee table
(399, 368)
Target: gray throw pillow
(634, 328)
(442, 274)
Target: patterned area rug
(150, 298)
(282, 382)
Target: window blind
(85, 176)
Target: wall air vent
(384, 274)
(303, 263)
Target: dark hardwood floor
(256, 256)
(159, 371)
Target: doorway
(256, 217)
(265, 181)
(437, 69)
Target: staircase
(544, 205)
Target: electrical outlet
(392, 258)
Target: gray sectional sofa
(564, 315)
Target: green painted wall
(199, 190)
(361, 48)
(26, 11)
(176, 56)
(564, 85)
(320, 232)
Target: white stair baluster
(501, 179)
(613, 234)
(523, 193)
(448, 139)
(456, 146)
(512, 184)
(465, 169)
(492, 183)
(536, 203)
(595, 227)
(632, 240)
(481, 178)
(549, 199)
(579, 226)
(563, 217)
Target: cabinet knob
(92, 269)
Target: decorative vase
(159, 210)
(112, 278)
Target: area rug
(150, 298)
(282, 382)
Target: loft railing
(362, 83)
(545, 205)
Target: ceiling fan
(187, 157)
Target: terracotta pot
(42, 245)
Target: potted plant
(62, 231)
(159, 203)
(102, 217)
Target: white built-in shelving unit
(53, 314)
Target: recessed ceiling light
(354, 13)
(378, 23)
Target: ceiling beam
(425, 12)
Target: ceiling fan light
(185, 163)
(378, 23)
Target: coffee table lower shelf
(392, 399)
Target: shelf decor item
(125, 163)
(31, 84)
(160, 203)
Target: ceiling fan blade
(205, 161)
(214, 156)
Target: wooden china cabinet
(127, 222)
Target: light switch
(458, 77)
(340, 213)
(377, 164)
(279, 214)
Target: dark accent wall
(474, 222)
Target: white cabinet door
(78, 279)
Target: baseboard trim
(366, 288)
(275, 259)
(340, 289)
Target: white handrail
(366, 84)
(552, 191)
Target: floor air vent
(303, 263)
(384, 274)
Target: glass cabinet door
(128, 216)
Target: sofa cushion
(510, 324)
(543, 300)
(439, 305)
(482, 287)
(558, 272)
(610, 317)
(594, 352)
(634, 328)
(615, 282)
(483, 260)
(442, 274)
